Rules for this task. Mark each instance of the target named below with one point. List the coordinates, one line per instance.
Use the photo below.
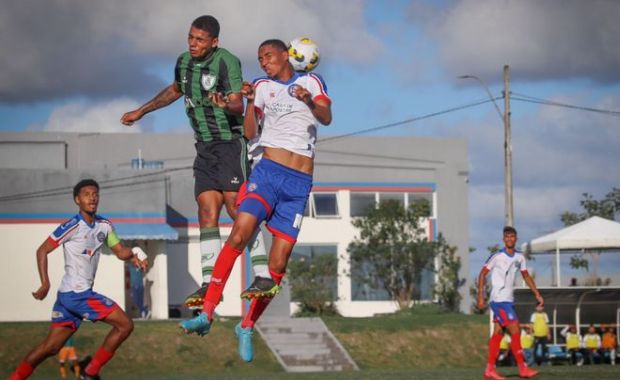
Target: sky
(72, 65)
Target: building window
(313, 272)
(325, 204)
(363, 290)
(361, 203)
(413, 198)
(398, 197)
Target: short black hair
(209, 24)
(510, 230)
(84, 183)
(276, 43)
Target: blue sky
(77, 66)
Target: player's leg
(50, 346)
(209, 207)
(242, 230)
(515, 345)
(278, 258)
(263, 285)
(494, 348)
(122, 326)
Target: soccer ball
(303, 54)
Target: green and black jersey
(220, 72)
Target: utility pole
(507, 150)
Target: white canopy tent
(595, 233)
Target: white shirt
(504, 268)
(288, 123)
(81, 243)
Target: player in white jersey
(290, 105)
(82, 238)
(503, 267)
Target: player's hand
(540, 300)
(302, 94)
(139, 258)
(130, 117)
(218, 99)
(247, 90)
(41, 293)
(481, 304)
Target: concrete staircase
(304, 345)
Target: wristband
(139, 253)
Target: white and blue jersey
(504, 267)
(288, 123)
(81, 243)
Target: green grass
(420, 344)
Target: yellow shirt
(572, 341)
(527, 341)
(592, 341)
(541, 324)
(505, 343)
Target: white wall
(20, 277)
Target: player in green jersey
(209, 77)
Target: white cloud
(108, 48)
(539, 39)
(100, 117)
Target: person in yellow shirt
(592, 345)
(540, 323)
(527, 344)
(609, 344)
(574, 344)
(68, 352)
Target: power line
(407, 121)
(532, 99)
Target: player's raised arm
(250, 123)
(42, 252)
(321, 108)
(164, 98)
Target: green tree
(392, 250)
(313, 284)
(605, 208)
(446, 288)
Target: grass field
(423, 344)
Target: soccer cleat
(83, 364)
(491, 374)
(261, 288)
(195, 300)
(199, 325)
(527, 373)
(246, 348)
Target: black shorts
(220, 165)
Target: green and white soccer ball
(303, 54)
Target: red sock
(494, 343)
(515, 346)
(223, 266)
(258, 305)
(101, 357)
(22, 371)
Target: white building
(151, 201)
